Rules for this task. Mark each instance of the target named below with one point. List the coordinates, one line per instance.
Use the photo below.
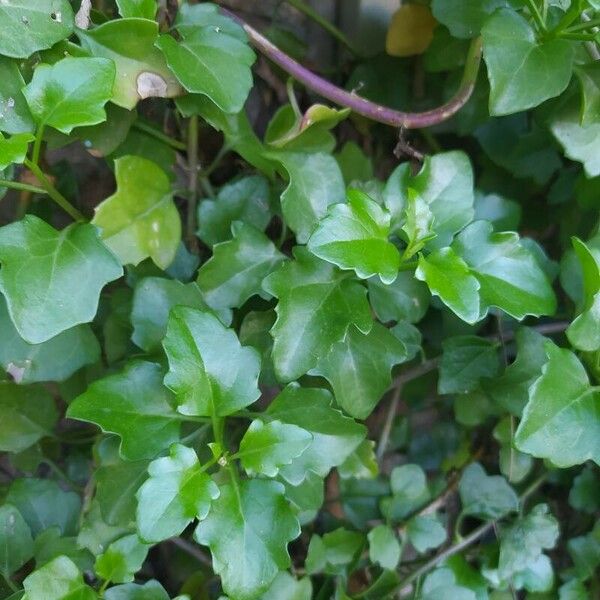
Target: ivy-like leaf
(589, 79)
(359, 368)
(355, 236)
(317, 305)
(426, 532)
(211, 373)
(252, 521)
(27, 27)
(207, 51)
(285, 587)
(237, 267)
(384, 547)
(135, 405)
(406, 299)
(151, 590)
(464, 18)
(59, 579)
(16, 544)
(266, 447)
(140, 220)
(122, 559)
(14, 112)
(333, 552)
(522, 71)
(410, 491)
(13, 150)
(71, 93)
(560, 421)
(335, 436)
(51, 280)
(177, 492)
(142, 71)
(144, 9)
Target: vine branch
(356, 103)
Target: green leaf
(140, 219)
(317, 305)
(28, 414)
(522, 544)
(508, 273)
(335, 436)
(237, 267)
(384, 547)
(589, 79)
(151, 590)
(122, 559)
(361, 464)
(252, 521)
(355, 236)
(13, 150)
(334, 551)
(210, 372)
(448, 277)
(43, 504)
(54, 360)
(70, 93)
(585, 552)
(315, 182)
(418, 225)
(245, 200)
(486, 496)
(16, 544)
(585, 493)
(425, 532)
(14, 112)
(522, 71)
(410, 491)
(466, 360)
(514, 465)
(51, 280)
(442, 583)
(207, 51)
(444, 183)
(142, 71)
(267, 447)
(464, 18)
(285, 587)
(145, 9)
(153, 300)
(26, 28)
(560, 421)
(359, 368)
(59, 579)
(177, 492)
(135, 405)
(573, 590)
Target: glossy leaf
(140, 220)
(151, 590)
(464, 18)
(178, 491)
(406, 299)
(145, 9)
(14, 112)
(70, 93)
(51, 280)
(589, 79)
(133, 404)
(60, 579)
(285, 587)
(122, 559)
(13, 150)
(252, 521)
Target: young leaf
(448, 277)
(410, 491)
(359, 368)
(315, 182)
(70, 93)
(334, 551)
(486, 496)
(135, 405)
(14, 112)
(266, 447)
(51, 280)
(252, 521)
(211, 373)
(207, 51)
(384, 547)
(560, 420)
(237, 267)
(355, 236)
(425, 532)
(27, 27)
(122, 559)
(317, 305)
(60, 579)
(140, 219)
(16, 544)
(522, 544)
(13, 150)
(141, 68)
(153, 300)
(177, 492)
(245, 200)
(418, 225)
(144, 9)
(28, 414)
(335, 436)
(522, 71)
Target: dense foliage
(290, 357)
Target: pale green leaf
(145, 9)
(425, 532)
(384, 547)
(59, 579)
(122, 559)
(16, 544)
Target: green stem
(37, 145)
(192, 203)
(53, 192)
(103, 588)
(536, 14)
(409, 266)
(583, 26)
(312, 14)
(159, 135)
(293, 100)
(23, 187)
(578, 37)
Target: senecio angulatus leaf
(295, 308)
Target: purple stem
(362, 106)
